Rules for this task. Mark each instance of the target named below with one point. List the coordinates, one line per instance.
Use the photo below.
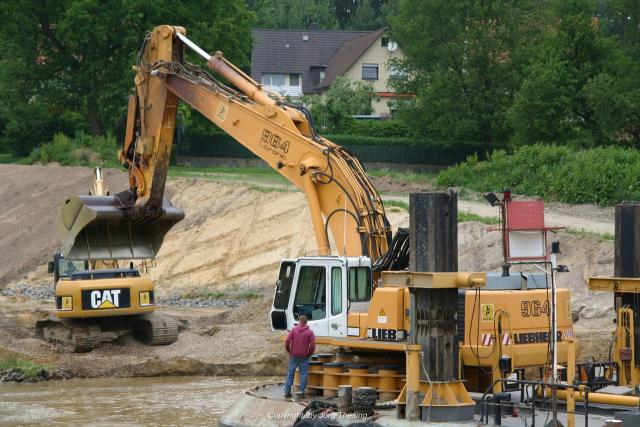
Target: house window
(322, 75)
(317, 74)
(384, 41)
(397, 72)
(294, 79)
(369, 71)
(273, 79)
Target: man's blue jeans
(294, 362)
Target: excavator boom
(340, 195)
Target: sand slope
(233, 236)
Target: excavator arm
(340, 196)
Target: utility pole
(555, 248)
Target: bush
(377, 128)
(32, 125)
(601, 175)
(82, 150)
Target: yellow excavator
(97, 301)
(336, 289)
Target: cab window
(67, 267)
(285, 278)
(359, 284)
(311, 293)
(336, 290)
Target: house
(301, 62)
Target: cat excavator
(99, 301)
(354, 237)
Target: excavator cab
(324, 289)
(61, 267)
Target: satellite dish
(392, 46)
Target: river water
(161, 401)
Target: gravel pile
(41, 292)
(178, 301)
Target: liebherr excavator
(341, 199)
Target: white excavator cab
(324, 289)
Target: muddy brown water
(160, 401)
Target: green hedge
(366, 149)
(601, 175)
(378, 128)
(371, 140)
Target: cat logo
(487, 312)
(105, 298)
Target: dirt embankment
(30, 197)
(232, 240)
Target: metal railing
(499, 404)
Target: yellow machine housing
(511, 323)
(104, 297)
(626, 347)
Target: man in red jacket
(300, 344)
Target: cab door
(337, 310)
(284, 285)
(311, 297)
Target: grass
(27, 367)
(412, 177)
(232, 293)
(269, 189)
(469, 216)
(581, 232)
(396, 204)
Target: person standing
(300, 344)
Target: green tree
(545, 103)
(614, 99)
(343, 99)
(622, 19)
(74, 57)
(463, 60)
(576, 87)
(360, 15)
(294, 14)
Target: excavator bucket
(96, 227)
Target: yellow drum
(331, 378)
(358, 375)
(314, 382)
(388, 383)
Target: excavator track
(73, 335)
(83, 335)
(159, 329)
